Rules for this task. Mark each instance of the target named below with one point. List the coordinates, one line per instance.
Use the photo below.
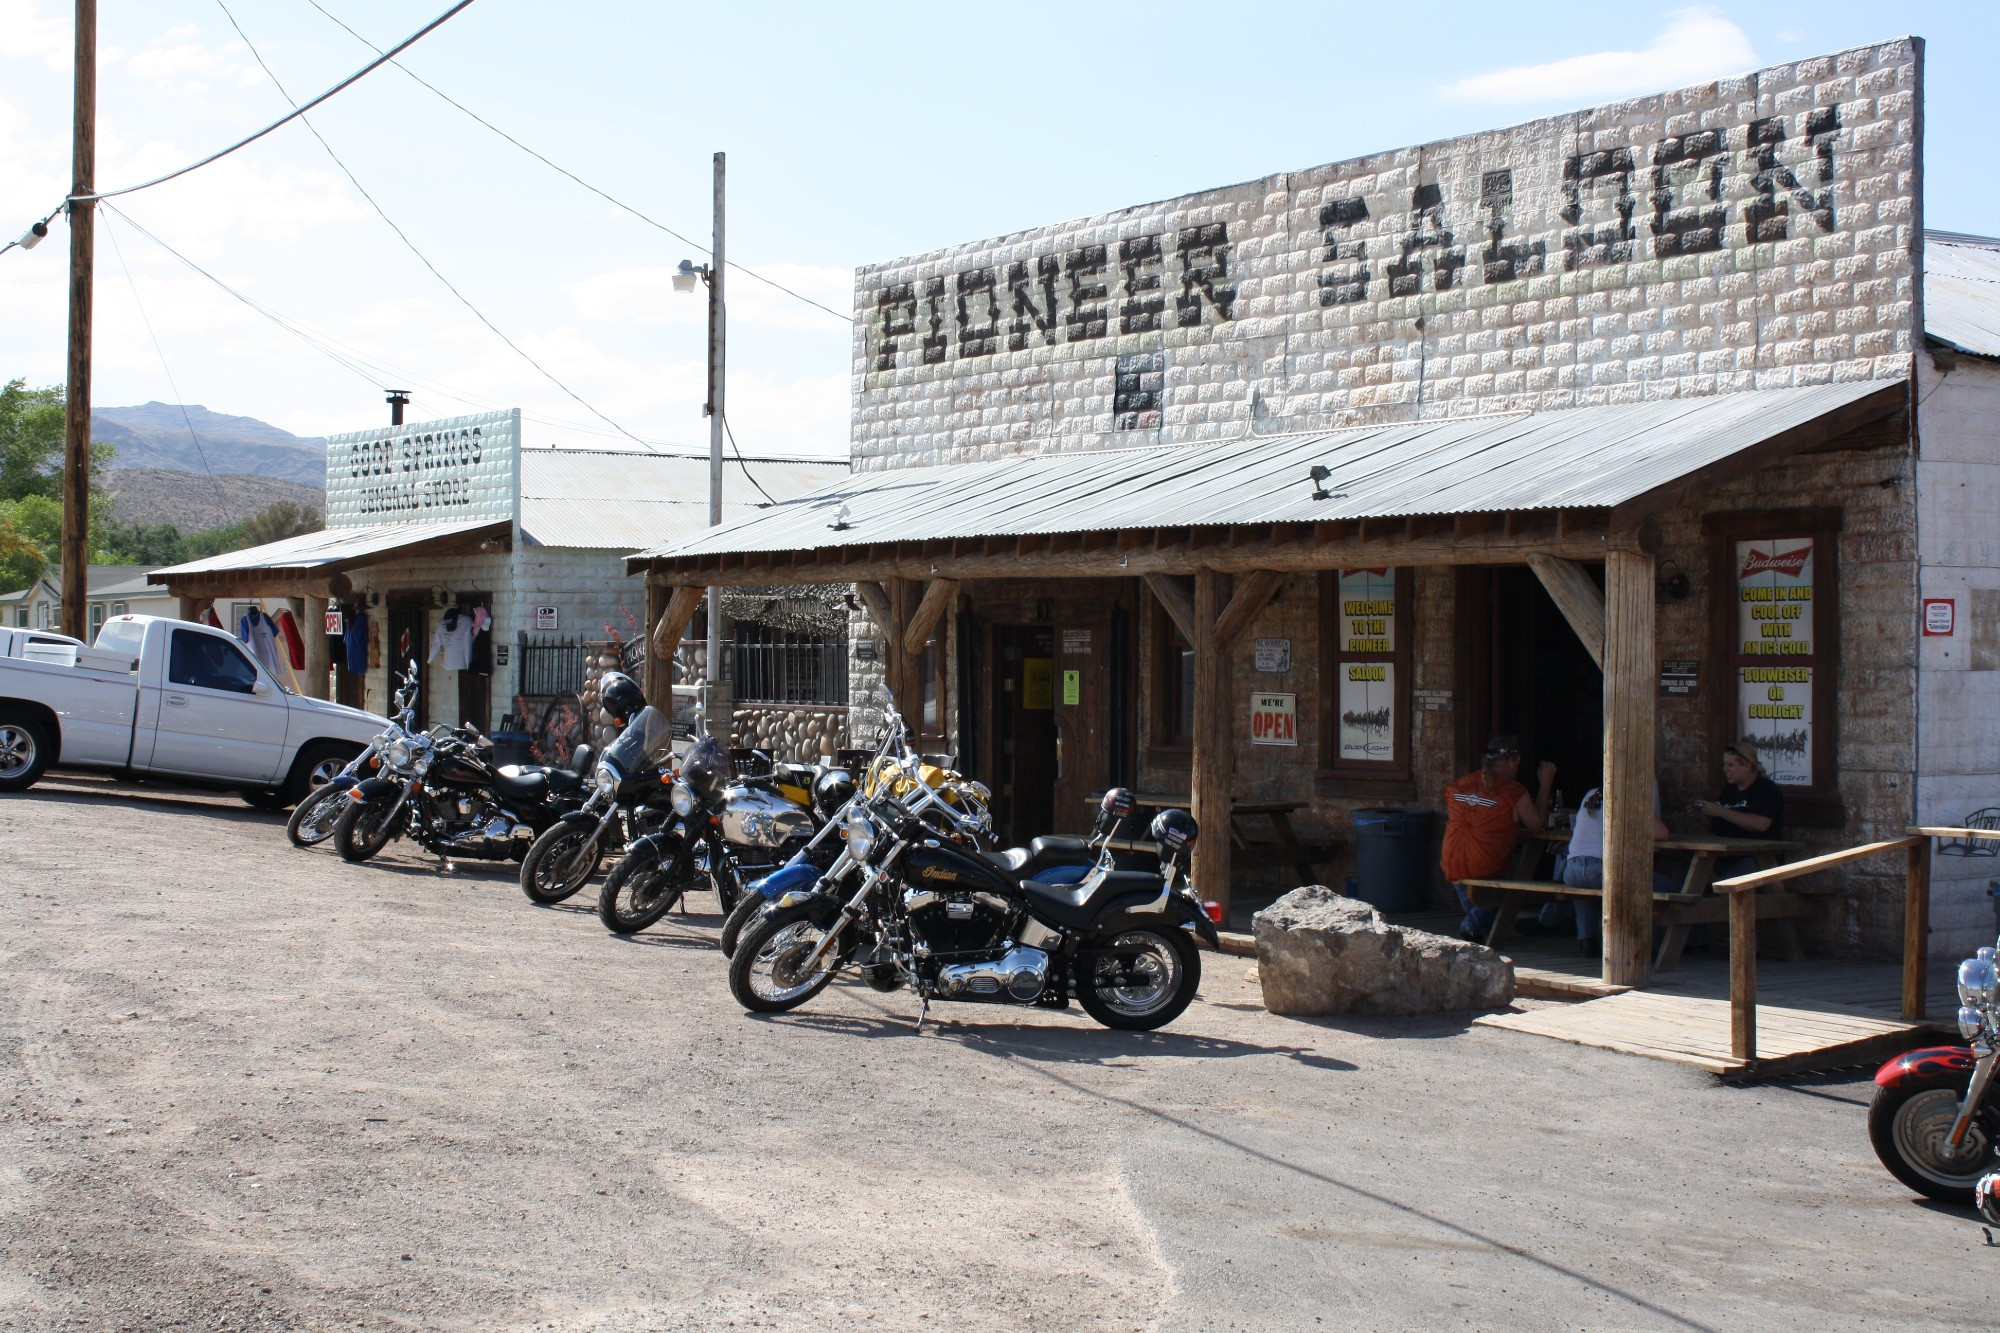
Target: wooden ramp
(1694, 1030)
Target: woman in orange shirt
(1484, 814)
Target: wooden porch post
(1214, 759)
(1629, 701)
(319, 659)
(190, 608)
(669, 611)
(898, 670)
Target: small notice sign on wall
(1678, 679)
(1274, 655)
(1076, 641)
(1274, 719)
(546, 618)
(1940, 616)
(1072, 688)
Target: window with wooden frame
(1774, 581)
(1173, 685)
(1365, 688)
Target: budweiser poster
(1774, 591)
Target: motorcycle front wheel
(313, 818)
(1140, 980)
(765, 974)
(1908, 1126)
(640, 890)
(366, 827)
(562, 861)
(740, 916)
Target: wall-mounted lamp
(1674, 584)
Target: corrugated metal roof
(618, 500)
(1577, 458)
(1962, 291)
(329, 546)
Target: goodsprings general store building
(1631, 431)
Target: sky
(855, 133)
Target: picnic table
(1694, 903)
(1282, 848)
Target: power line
(564, 171)
(221, 505)
(740, 464)
(365, 365)
(297, 110)
(412, 245)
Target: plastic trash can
(1392, 855)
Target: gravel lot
(252, 1087)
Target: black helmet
(620, 696)
(831, 790)
(1174, 831)
(1119, 802)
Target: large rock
(1321, 953)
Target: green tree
(21, 561)
(31, 441)
(283, 519)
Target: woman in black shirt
(1750, 805)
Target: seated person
(1750, 806)
(1585, 867)
(1484, 814)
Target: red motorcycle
(1933, 1122)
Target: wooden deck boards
(1820, 1013)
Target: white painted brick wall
(1801, 303)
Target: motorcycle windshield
(645, 738)
(709, 770)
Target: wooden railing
(1916, 847)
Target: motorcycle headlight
(981, 791)
(1970, 1022)
(682, 798)
(1977, 981)
(397, 754)
(607, 775)
(860, 835)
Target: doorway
(475, 683)
(405, 640)
(1019, 670)
(1524, 671)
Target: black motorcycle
(314, 818)
(441, 788)
(954, 925)
(629, 798)
(727, 831)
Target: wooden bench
(1675, 911)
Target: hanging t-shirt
(453, 639)
(1480, 827)
(261, 637)
(354, 642)
(288, 632)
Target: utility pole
(715, 708)
(76, 418)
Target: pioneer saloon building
(1620, 430)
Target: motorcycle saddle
(531, 785)
(1042, 854)
(1077, 905)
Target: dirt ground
(250, 1087)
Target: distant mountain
(157, 436)
(195, 503)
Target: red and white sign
(335, 622)
(1788, 563)
(1274, 719)
(1940, 616)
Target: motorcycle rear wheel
(1151, 990)
(764, 975)
(740, 916)
(560, 863)
(313, 819)
(639, 891)
(1907, 1126)
(366, 827)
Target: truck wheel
(316, 766)
(24, 752)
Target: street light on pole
(685, 277)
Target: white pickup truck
(157, 697)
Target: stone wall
(1755, 232)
